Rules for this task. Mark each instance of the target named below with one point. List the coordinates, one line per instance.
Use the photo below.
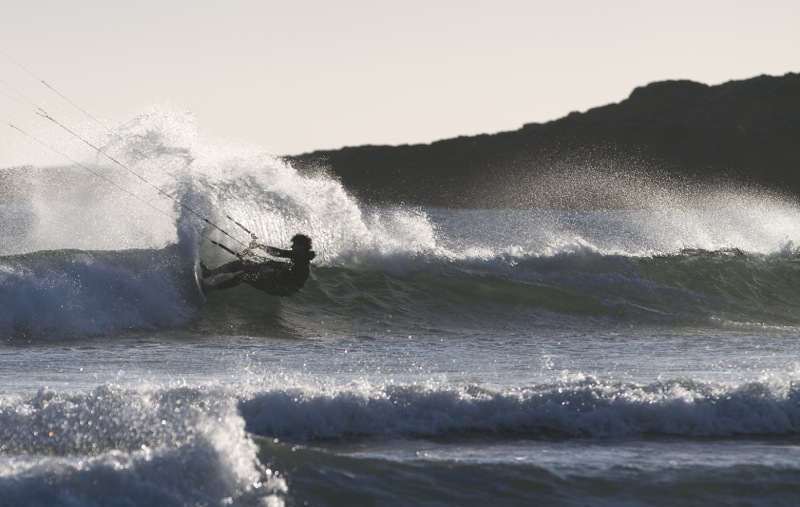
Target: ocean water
(645, 355)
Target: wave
(145, 444)
(66, 293)
(586, 407)
(82, 257)
(58, 294)
(321, 478)
(115, 446)
(727, 289)
(196, 445)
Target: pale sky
(295, 76)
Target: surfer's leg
(230, 267)
(220, 282)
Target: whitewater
(636, 354)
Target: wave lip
(589, 408)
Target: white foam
(583, 407)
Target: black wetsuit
(273, 277)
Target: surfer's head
(301, 242)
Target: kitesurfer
(278, 278)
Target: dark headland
(681, 132)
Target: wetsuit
(273, 277)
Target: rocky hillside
(741, 131)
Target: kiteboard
(198, 280)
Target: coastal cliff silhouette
(743, 132)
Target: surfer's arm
(271, 250)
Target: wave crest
(587, 408)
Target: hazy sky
(294, 76)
